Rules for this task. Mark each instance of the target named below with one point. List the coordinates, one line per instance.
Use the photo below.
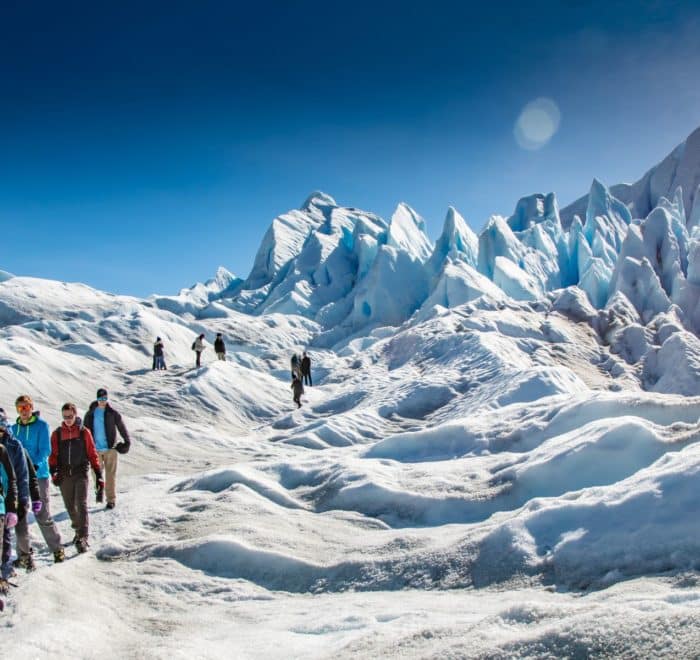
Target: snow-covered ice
(499, 456)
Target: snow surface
(487, 480)
(499, 456)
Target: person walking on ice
(220, 347)
(103, 422)
(295, 366)
(298, 389)
(35, 435)
(158, 355)
(198, 346)
(15, 451)
(8, 503)
(72, 453)
(306, 370)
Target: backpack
(194, 343)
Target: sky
(142, 145)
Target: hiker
(298, 389)
(295, 366)
(198, 346)
(103, 422)
(15, 452)
(72, 454)
(8, 501)
(34, 434)
(306, 369)
(220, 347)
(158, 355)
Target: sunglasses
(23, 407)
(102, 398)
(69, 416)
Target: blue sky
(144, 144)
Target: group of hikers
(31, 455)
(301, 366)
(198, 346)
(301, 375)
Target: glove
(99, 490)
(10, 519)
(56, 478)
(122, 447)
(37, 506)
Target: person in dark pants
(198, 346)
(103, 422)
(298, 389)
(158, 355)
(19, 464)
(8, 503)
(306, 370)
(220, 347)
(72, 454)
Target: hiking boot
(81, 545)
(4, 586)
(110, 505)
(58, 556)
(25, 561)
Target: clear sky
(143, 144)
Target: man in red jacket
(72, 453)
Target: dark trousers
(74, 489)
(306, 378)
(6, 541)
(199, 357)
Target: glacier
(498, 458)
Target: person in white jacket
(198, 346)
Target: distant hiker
(19, 464)
(198, 346)
(34, 434)
(295, 366)
(306, 369)
(158, 355)
(220, 347)
(72, 454)
(103, 422)
(8, 501)
(298, 389)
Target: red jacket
(72, 449)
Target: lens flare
(537, 123)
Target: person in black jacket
(103, 421)
(8, 501)
(72, 454)
(220, 347)
(306, 369)
(158, 355)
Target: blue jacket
(36, 439)
(19, 463)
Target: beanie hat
(101, 392)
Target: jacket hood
(78, 423)
(35, 416)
